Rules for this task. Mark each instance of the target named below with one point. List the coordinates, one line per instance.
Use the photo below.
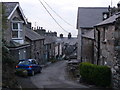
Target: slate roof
(110, 20)
(90, 16)
(50, 39)
(71, 41)
(9, 6)
(89, 35)
(32, 35)
(14, 44)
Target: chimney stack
(118, 4)
(61, 35)
(69, 35)
(41, 28)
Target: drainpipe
(98, 43)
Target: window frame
(19, 30)
(104, 33)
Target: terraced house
(24, 43)
(36, 42)
(14, 34)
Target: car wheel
(40, 70)
(33, 73)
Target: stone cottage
(36, 44)
(49, 43)
(15, 32)
(107, 38)
(104, 37)
(87, 18)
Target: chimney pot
(69, 35)
(61, 35)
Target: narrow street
(55, 76)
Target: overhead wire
(52, 16)
(58, 14)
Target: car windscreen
(24, 62)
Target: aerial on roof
(90, 16)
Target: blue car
(31, 65)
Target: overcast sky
(67, 9)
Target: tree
(8, 62)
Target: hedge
(95, 74)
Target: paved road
(55, 76)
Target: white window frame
(19, 29)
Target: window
(15, 25)
(104, 33)
(17, 32)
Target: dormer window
(17, 29)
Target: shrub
(95, 74)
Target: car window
(33, 62)
(24, 62)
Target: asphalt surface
(55, 76)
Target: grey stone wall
(87, 50)
(37, 50)
(106, 43)
(116, 67)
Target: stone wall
(107, 45)
(87, 50)
(105, 42)
(116, 67)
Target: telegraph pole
(111, 3)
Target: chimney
(61, 35)
(41, 28)
(69, 35)
(55, 34)
(28, 25)
(37, 28)
(118, 6)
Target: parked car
(30, 65)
